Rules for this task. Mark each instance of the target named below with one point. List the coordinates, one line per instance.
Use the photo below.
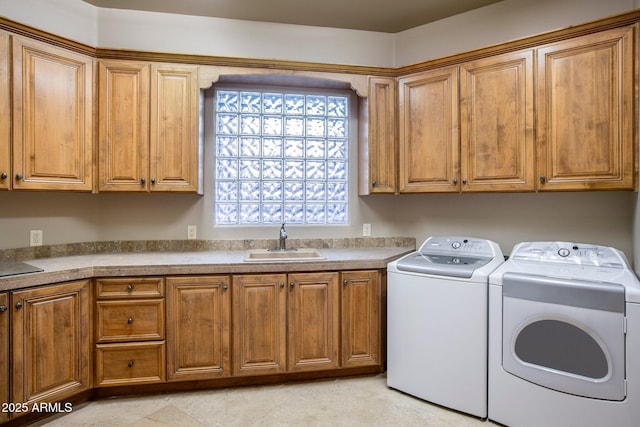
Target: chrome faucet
(282, 246)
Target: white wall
(596, 217)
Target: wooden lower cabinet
(361, 318)
(198, 327)
(130, 331)
(313, 323)
(4, 354)
(50, 342)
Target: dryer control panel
(569, 253)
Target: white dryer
(437, 321)
(564, 337)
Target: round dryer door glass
(563, 347)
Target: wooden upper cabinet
(51, 340)
(381, 152)
(148, 133)
(123, 134)
(429, 131)
(496, 124)
(587, 112)
(52, 117)
(5, 115)
(174, 138)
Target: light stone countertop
(67, 268)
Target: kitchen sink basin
(274, 255)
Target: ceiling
(389, 16)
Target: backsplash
(125, 246)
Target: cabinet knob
(18, 176)
(374, 183)
(129, 287)
(142, 181)
(542, 179)
(225, 287)
(153, 180)
(282, 284)
(3, 308)
(464, 181)
(345, 282)
(455, 181)
(130, 320)
(3, 175)
(19, 305)
(130, 364)
(292, 284)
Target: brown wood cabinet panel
(130, 320)
(130, 287)
(382, 144)
(361, 318)
(587, 112)
(429, 132)
(4, 353)
(259, 324)
(123, 131)
(130, 363)
(496, 124)
(198, 327)
(50, 342)
(314, 321)
(5, 115)
(52, 117)
(174, 138)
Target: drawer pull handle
(130, 320)
(129, 287)
(130, 364)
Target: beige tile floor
(360, 401)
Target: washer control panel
(459, 245)
(569, 253)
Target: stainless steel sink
(271, 255)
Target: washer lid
(442, 265)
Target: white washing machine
(564, 337)
(437, 322)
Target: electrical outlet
(366, 230)
(35, 238)
(192, 232)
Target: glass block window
(280, 156)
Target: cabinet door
(4, 354)
(314, 321)
(361, 318)
(587, 102)
(496, 123)
(198, 327)
(175, 148)
(123, 135)
(259, 324)
(5, 116)
(50, 342)
(382, 146)
(429, 133)
(52, 118)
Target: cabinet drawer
(130, 320)
(134, 287)
(130, 363)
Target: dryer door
(566, 335)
